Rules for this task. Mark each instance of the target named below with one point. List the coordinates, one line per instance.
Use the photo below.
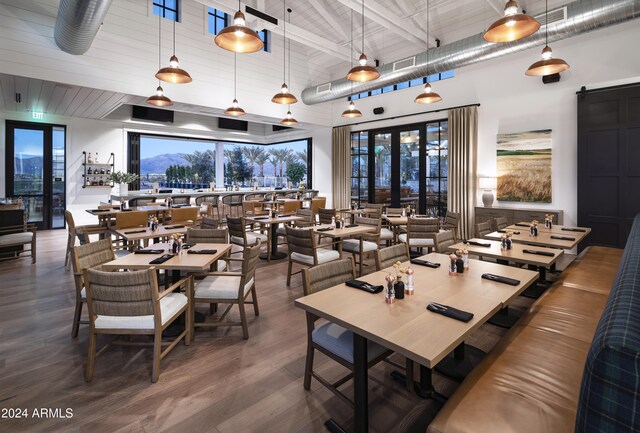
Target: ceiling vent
(404, 63)
(554, 16)
(323, 88)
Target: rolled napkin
(99, 210)
(126, 210)
(324, 229)
(504, 231)
(425, 263)
(540, 253)
(161, 259)
(563, 238)
(448, 311)
(348, 226)
(186, 246)
(363, 285)
(573, 229)
(202, 251)
(521, 225)
(174, 227)
(501, 279)
(477, 244)
(148, 252)
(135, 231)
(179, 205)
(283, 215)
(261, 218)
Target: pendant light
(513, 26)
(362, 72)
(548, 65)
(289, 120)
(352, 111)
(238, 37)
(173, 73)
(235, 109)
(428, 96)
(284, 97)
(159, 100)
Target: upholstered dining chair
(141, 201)
(387, 257)
(443, 240)
(213, 200)
(129, 303)
(232, 288)
(184, 215)
(238, 234)
(211, 236)
(452, 222)
(370, 241)
(181, 199)
(80, 232)
(329, 338)
(373, 210)
(85, 256)
(420, 232)
(483, 229)
(304, 251)
(127, 220)
(325, 215)
(209, 223)
(233, 201)
(501, 223)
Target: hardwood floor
(220, 383)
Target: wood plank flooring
(220, 383)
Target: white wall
(512, 102)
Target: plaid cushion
(610, 391)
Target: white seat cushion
(83, 293)
(222, 266)
(353, 246)
(323, 254)
(420, 242)
(339, 341)
(251, 239)
(386, 234)
(16, 238)
(169, 305)
(220, 287)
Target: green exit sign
(37, 115)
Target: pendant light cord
(362, 26)
(235, 75)
(546, 23)
(289, 49)
(427, 41)
(159, 44)
(174, 38)
(284, 41)
(351, 56)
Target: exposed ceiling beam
(328, 16)
(406, 6)
(383, 16)
(497, 5)
(294, 32)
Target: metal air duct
(581, 16)
(78, 22)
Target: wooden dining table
(565, 241)
(555, 228)
(406, 326)
(337, 235)
(272, 233)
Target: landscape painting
(524, 166)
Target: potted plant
(123, 179)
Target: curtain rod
(412, 114)
(583, 90)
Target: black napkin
(126, 210)
(348, 226)
(573, 229)
(186, 246)
(135, 231)
(501, 279)
(324, 229)
(261, 218)
(362, 285)
(521, 225)
(425, 263)
(99, 210)
(307, 199)
(563, 238)
(174, 227)
(448, 311)
(504, 231)
(148, 252)
(179, 205)
(477, 244)
(163, 258)
(283, 215)
(202, 251)
(540, 253)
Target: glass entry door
(35, 169)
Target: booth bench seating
(572, 363)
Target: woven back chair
(325, 215)
(394, 211)
(86, 256)
(211, 236)
(184, 215)
(233, 201)
(443, 240)
(452, 222)
(239, 235)
(129, 303)
(80, 232)
(483, 229)
(127, 220)
(307, 214)
(249, 208)
(254, 196)
(370, 241)
(317, 203)
(209, 223)
(304, 251)
(181, 199)
(230, 288)
(332, 340)
(213, 199)
(373, 210)
(141, 201)
(420, 232)
(387, 257)
(501, 223)
(290, 207)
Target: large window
(359, 167)
(167, 9)
(217, 20)
(175, 162)
(437, 163)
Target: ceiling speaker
(553, 78)
(378, 110)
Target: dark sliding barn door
(608, 163)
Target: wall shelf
(93, 173)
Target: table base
(505, 318)
(278, 255)
(459, 365)
(534, 291)
(424, 388)
(333, 426)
